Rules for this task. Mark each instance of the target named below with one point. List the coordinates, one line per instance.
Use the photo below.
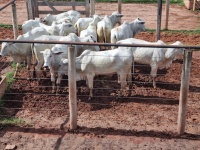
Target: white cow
(127, 30)
(91, 29)
(91, 63)
(104, 26)
(37, 47)
(53, 56)
(22, 51)
(63, 28)
(82, 23)
(49, 18)
(157, 58)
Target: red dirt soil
(145, 120)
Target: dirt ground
(145, 120)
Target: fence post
(30, 9)
(120, 6)
(185, 78)
(72, 87)
(159, 15)
(14, 20)
(73, 7)
(92, 7)
(194, 5)
(87, 8)
(167, 13)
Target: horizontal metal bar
(102, 44)
(11, 2)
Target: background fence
(134, 115)
(180, 18)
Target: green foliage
(9, 26)
(143, 1)
(11, 122)
(9, 79)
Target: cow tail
(104, 33)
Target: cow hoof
(90, 98)
(53, 91)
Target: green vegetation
(142, 1)
(180, 2)
(9, 121)
(4, 122)
(9, 26)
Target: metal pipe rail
(11, 2)
(196, 48)
(72, 71)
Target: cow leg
(129, 79)
(28, 67)
(90, 79)
(53, 81)
(17, 68)
(154, 74)
(58, 81)
(123, 83)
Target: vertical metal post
(159, 16)
(120, 6)
(167, 13)
(72, 87)
(14, 20)
(92, 7)
(184, 91)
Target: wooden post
(72, 87)
(194, 5)
(73, 7)
(87, 8)
(159, 16)
(14, 20)
(36, 11)
(184, 91)
(92, 7)
(30, 9)
(120, 6)
(167, 14)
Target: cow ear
(119, 15)
(42, 52)
(70, 25)
(57, 53)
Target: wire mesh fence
(106, 109)
(180, 18)
(25, 98)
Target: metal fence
(180, 18)
(75, 106)
(13, 16)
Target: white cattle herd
(90, 60)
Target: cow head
(49, 57)
(116, 17)
(67, 28)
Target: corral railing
(185, 77)
(14, 16)
(34, 7)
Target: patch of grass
(9, 26)
(143, 1)
(9, 79)
(188, 32)
(5, 122)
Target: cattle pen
(144, 117)
(185, 77)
